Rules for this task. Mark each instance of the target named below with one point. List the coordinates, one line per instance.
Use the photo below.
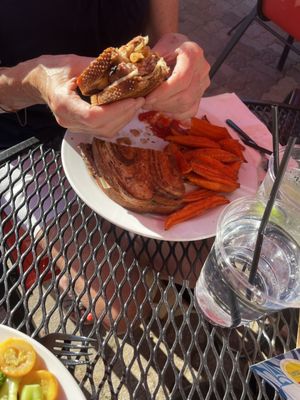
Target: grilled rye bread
(141, 180)
(133, 70)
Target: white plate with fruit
(32, 371)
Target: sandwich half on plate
(141, 180)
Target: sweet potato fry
(163, 121)
(225, 186)
(204, 128)
(192, 141)
(148, 116)
(216, 165)
(177, 129)
(218, 154)
(176, 132)
(196, 195)
(234, 146)
(210, 173)
(184, 165)
(194, 209)
(159, 123)
(235, 167)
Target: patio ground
(250, 70)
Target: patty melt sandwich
(141, 180)
(133, 70)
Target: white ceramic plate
(68, 387)
(148, 225)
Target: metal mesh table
(172, 352)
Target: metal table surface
(173, 353)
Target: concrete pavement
(250, 70)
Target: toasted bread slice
(141, 180)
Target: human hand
(181, 93)
(55, 80)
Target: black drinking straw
(260, 236)
(234, 308)
(275, 135)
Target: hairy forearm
(163, 18)
(19, 86)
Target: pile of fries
(208, 158)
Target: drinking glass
(288, 202)
(223, 291)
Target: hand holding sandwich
(172, 75)
(51, 79)
(180, 94)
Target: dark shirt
(31, 28)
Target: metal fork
(69, 348)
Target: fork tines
(64, 347)
(69, 348)
(62, 353)
(74, 338)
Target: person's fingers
(114, 127)
(106, 112)
(181, 100)
(76, 114)
(185, 101)
(191, 112)
(107, 120)
(97, 122)
(187, 63)
(117, 110)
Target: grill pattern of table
(179, 356)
